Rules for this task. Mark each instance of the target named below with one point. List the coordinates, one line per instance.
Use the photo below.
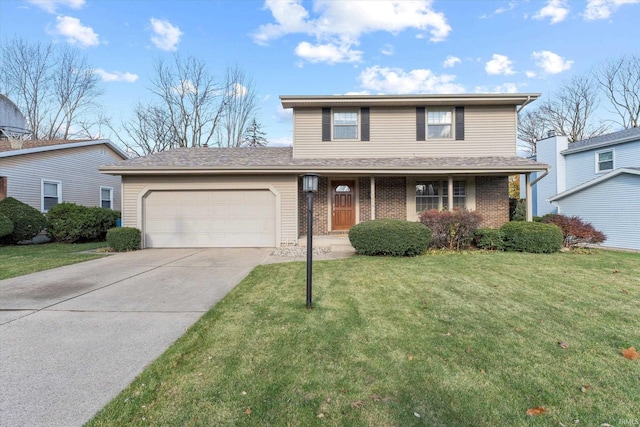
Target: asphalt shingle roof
(5, 145)
(608, 139)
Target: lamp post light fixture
(309, 186)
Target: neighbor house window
(106, 197)
(439, 124)
(434, 195)
(604, 161)
(51, 194)
(345, 124)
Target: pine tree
(254, 136)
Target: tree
(531, 128)
(254, 136)
(619, 79)
(190, 108)
(55, 88)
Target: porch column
(450, 194)
(529, 197)
(373, 197)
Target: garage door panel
(221, 218)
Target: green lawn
(24, 259)
(439, 340)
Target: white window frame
(442, 192)
(356, 111)
(613, 160)
(451, 123)
(44, 181)
(110, 196)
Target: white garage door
(219, 218)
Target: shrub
(574, 230)
(27, 221)
(533, 237)
(6, 226)
(68, 222)
(124, 239)
(451, 229)
(520, 211)
(489, 238)
(391, 237)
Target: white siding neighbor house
(597, 179)
(44, 173)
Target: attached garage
(209, 218)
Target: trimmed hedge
(27, 221)
(69, 223)
(390, 237)
(489, 238)
(6, 226)
(534, 237)
(123, 239)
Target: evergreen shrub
(390, 237)
(123, 239)
(27, 221)
(534, 237)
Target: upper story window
(345, 124)
(51, 194)
(106, 197)
(604, 161)
(439, 124)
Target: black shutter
(326, 124)
(420, 125)
(459, 123)
(364, 124)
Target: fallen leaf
(483, 372)
(410, 357)
(321, 415)
(563, 344)
(517, 329)
(328, 400)
(344, 390)
(244, 393)
(248, 411)
(468, 350)
(630, 353)
(624, 291)
(534, 412)
(357, 404)
(616, 271)
(375, 397)
(417, 415)
(584, 388)
(605, 425)
(388, 399)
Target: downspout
(528, 101)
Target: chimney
(551, 133)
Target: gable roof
(593, 182)
(274, 160)
(614, 138)
(38, 146)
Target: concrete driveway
(73, 337)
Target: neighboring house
(597, 179)
(44, 173)
(378, 156)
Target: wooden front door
(344, 205)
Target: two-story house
(597, 179)
(378, 156)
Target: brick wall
(492, 200)
(364, 198)
(391, 197)
(320, 208)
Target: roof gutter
(528, 101)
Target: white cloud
(116, 76)
(503, 88)
(166, 35)
(551, 63)
(396, 80)
(530, 74)
(451, 61)
(557, 10)
(341, 23)
(239, 91)
(51, 5)
(329, 53)
(387, 49)
(75, 32)
(602, 9)
(185, 87)
(499, 64)
(510, 6)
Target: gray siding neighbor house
(597, 179)
(44, 173)
(378, 156)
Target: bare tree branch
(619, 80)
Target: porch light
(309, 186)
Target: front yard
(474, 339)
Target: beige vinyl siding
(136, 187)
(489, 131)
(76, 168)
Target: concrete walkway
(73, 337)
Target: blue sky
(326, 47)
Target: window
(604, 161)
(106, 197)
(434, 195)
(345, 125)
(439, 124)
(51, 194)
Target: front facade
(45, 173)
(377, 157)
(597, 179)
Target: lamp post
(309, 186)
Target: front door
(344, 205)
